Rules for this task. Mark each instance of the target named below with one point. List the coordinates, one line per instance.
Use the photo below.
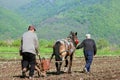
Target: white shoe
(30, 77)
(85, 70)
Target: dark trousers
(28, 62)
(88, 58)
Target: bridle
(73, 38)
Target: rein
(64, 51)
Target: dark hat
(31, 27)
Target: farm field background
(105, 65)
(54, 19)
(14, 54)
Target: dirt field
(103, 68)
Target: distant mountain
(11, 25)
(54, 19)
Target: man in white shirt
(29, 50)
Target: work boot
(23, 74)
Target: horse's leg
(58, 67)
(71, 58)
(56, 64)
(66, 61)
(66, 65)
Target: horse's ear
(76, 33)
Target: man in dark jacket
(29, 50)
(89, 51)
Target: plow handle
(39, 58)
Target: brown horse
(64, 48)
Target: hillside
(54, 19)
(11, 25)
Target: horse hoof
(58, 72)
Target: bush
(6, 43)
(16, 43)
(102, 43)
(10, 43)
(45, 43)
(2, 43)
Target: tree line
(101, 43)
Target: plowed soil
(102, 68)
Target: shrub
(16, 43)
(102, 43)
(6, 43)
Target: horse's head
(73, 37)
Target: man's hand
(37, 52)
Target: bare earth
(103, 68)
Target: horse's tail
(56, 51)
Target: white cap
(88, 36)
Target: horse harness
(68, 44)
